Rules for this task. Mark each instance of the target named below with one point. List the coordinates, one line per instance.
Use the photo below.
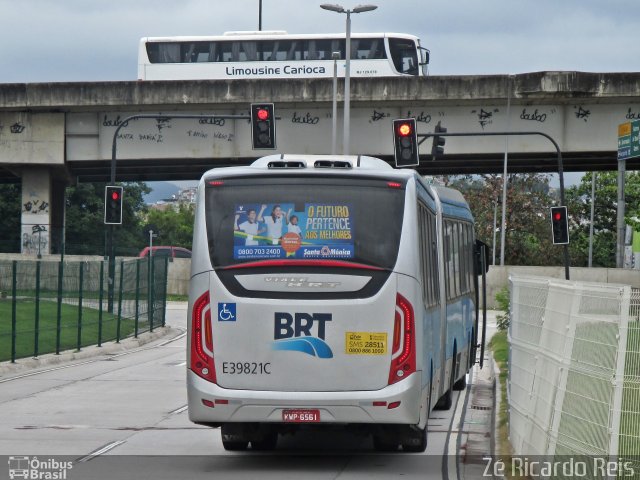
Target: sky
(87, 40)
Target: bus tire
(386, 439)
(232, 439)
(461, 384)
(445, 401)
(268, 442)
(415, 440)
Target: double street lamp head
(340, 9)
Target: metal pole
(503, 225)
(347, 87)
(593, 205)
(334, 118)
(621, 227)
(260, 15)
(495, 219)
(423, 137)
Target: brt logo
(295, 333)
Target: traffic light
(405, 142)
(263, 126)
(437, 149)
(113, 205)
(559, 225)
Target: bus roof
(273, 35)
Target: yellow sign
(624, 129)
(365, 343)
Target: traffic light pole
(423, 137)
(114, 149)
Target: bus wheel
(385, 440)
(416, 440)
(232, 440)
(461, 384)
(445, 402)
(268, 442)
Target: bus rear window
(304, 218)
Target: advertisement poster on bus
(286, 230)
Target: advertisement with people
(287, 230)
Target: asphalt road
(123, 415)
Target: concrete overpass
(54, 133)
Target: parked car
(167, 251)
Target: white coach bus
(242, 55)
(328, 290)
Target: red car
(167, 251)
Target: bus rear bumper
(395, 404)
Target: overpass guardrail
(51, 306)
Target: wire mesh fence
(51, 306)
(574, 379)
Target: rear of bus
(297, 312)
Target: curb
(92, 351)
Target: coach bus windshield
(304, 218)
(404, 55)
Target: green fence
(49, 306)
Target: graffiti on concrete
(35, 239)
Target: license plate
(301, 416)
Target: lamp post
(347, 86)
(334, 115)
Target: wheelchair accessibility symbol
(226, 312)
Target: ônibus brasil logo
(294, 333)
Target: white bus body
(255, 55)
(362, 313)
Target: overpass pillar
(42, 217)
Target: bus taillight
(403, 355)
(201, 339)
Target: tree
(10, 211)
(175, 226)
(605, 216)
(528, 232)
(84, 220)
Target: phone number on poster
(251, 252)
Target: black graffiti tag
(535, 116)
(306, 119)
(422, 118)
(17, 128)
(581, 113)
(631, 115)
(377, 116)
(484, 117)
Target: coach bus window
(404, 55)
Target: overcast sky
(89, 40)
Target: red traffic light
(557, 216)
(404, 129)
(263, 114)
(115, 195)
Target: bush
(502, 301)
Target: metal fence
(51, 306)
(574, 375)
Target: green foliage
(10, 211)
(502, 303)
(175, 226)
(528, 232)
(605, 216)
(85, 229)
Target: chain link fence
(51, 306)
(574, 378)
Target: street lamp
(347, 87)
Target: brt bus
(242, 55)
(328, 290)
